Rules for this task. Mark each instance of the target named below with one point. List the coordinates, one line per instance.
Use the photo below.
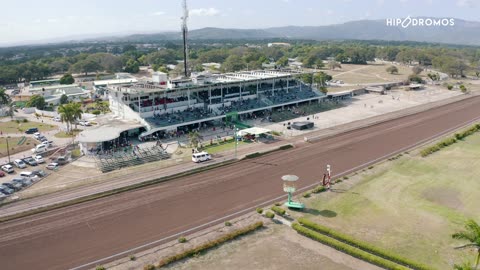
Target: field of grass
(410, 206)
(21, 127)
(372, 73)
(13, 145)
(216, 148)
(63, 134)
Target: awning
(253, 131)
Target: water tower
(289, 187)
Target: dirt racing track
(80, 234)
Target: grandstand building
(184, 104)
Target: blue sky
(25, 20)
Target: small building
(159, 78)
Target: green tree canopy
(67, 79)
(36, 101)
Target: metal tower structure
(185, 33)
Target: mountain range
(462, 33)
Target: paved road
(72, 236)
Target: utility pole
(235, 138)
(8, 150)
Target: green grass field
(216, 148)
(27, 144)
(21, 127)
(411, 205)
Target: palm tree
(195, 138)
(472, 235)
(66, 115)
(76, 112)
(4, 97)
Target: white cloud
(330, 12)
(204, 12)
(380, 2)
(52, 20)
(158, 13)
(466, 3)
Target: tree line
(455, 61)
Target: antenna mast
(185, 32)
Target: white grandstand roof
(115, 81)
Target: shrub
(259, 210)
(253, 155)
(228, 223)
(132, 257)
(319, 189)
(269, 214)
(278, 210)
(96, 112)
(360, 244)
(182, 239)
(25, 120)
(338, 181)
(340, 246)
(449, 87)
(306, 195)
(99, 267)
(278, 204)
(149, 267)
(285, 147)
(370, 167)
(210, 244)
(345, 177)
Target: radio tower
(185, 32)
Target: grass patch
(210, 244)
(280, 211)
(63, 134)
(340, 246)
(361, 245)
(16, 145)
(222, 146)
(449, 141)
(18, 126)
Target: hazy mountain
(463, 32)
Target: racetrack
(79, 234)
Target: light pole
(8, 150)
(235, 138)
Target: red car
(2, 174)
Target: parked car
(52, 166)
(202, 156)
(25, 182)
(30, 161)
(42, 138)
(39, 173)
(2, 173)
(47, 143)
(57, 119)
(6, 190)
(61, 160)
(13, 185)
(19, 163)
(41, 148)
(39, 159)
(8, 168)
(84, 123)
(2, 196)
(31, 130)
(37, 135)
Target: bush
(149, 267)
(182, 239)
(340, 246)
(306, 195)
(360, 244)
(25, 120)
(132, 257)
(253, 155)
(96, 112)
(338, 180)
(213, 243)
(285, 147)
(278, 204)
(269, 214)
(259, 210)
(449, 87)
(319, 189)
(345, 177)
(99, 267)
(370, 167)
(228, 223)
(278, 210)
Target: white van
(41, 148)
(201, 156)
